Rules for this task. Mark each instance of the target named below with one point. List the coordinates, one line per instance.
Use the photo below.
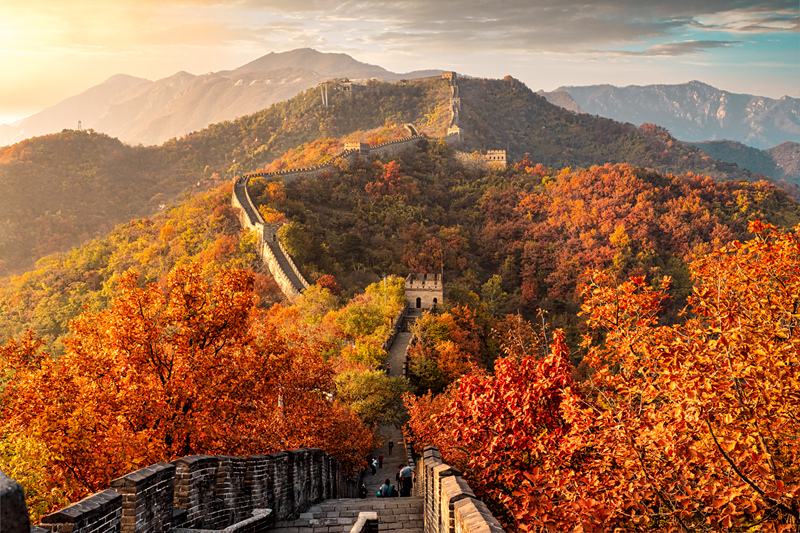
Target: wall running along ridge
(272, 253)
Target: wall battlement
(237, 494)
(449, 504)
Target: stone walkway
(397, 352)
(399, 515)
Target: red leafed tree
(701, 423)
(189, 369)
(689, 427)
(392, 183)
(329, 282)
(506, 431)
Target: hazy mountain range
(691, 111)
(136, 110)
(781, 162)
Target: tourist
(387, 490)
(380, 461)
(362, 492)
(391, 445)
(374, 465)
(406, 480)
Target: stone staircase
(336, 516)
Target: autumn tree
(447, 347)
(162, 373)
(704, 412)
(506, 431)
(686, 427)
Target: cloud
(675, 49)
(526, 26)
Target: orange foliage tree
(448, 346)
(163, 373)
(689, 427)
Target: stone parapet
(147, 498)
(13, 510)
(449, 504)
(200, 493)
(98, 513)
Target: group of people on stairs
(404, 478)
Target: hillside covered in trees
(134, 332)
(59, 190)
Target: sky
(51, 50)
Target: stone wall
(251, 219)
(449, 504)
(206, 492)
(13, 510)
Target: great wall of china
(205, 494)
(269, 248)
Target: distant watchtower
(361, 148)
(497, 157)
(424, 291)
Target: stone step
(395, 515)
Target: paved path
(287, 269)
(395, 515)
(397, 353)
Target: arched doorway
(419, 303)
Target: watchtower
(424, 291)
(360, 148)
(498, 157)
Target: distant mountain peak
(696, 111)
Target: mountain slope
(787, 156)
(696, 111)
(62, 189)
(59, 190)
(141, 111)
(86, 107)
(507, 114)
(781, 162)
(326, 65)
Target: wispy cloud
(674, 49)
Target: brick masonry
(449, 504)
(201, 492)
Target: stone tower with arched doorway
(424, 291)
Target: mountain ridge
(695, 111)
(139, 111)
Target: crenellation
(100, 513)
(232, 486)
(221, 493)
(147, 498)
(449, 504)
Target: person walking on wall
(391, 445)
(374, 465)
(406, 480)
(380, 461)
